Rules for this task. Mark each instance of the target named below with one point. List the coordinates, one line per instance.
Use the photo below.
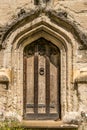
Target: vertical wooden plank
(30, 84)
(36, 80)
(47, 82)
(41, 85)
(58, 105)
(53, 85)
(58, 87)
(24, 83)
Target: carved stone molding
(60, 18)
(81, 79)
(4, 81)
(40, 2)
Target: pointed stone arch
(28, 30)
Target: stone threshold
(46, 124)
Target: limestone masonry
(43, 62)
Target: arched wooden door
(41, 80)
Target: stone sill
(46, 124)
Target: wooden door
(41, 80)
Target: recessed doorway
(41, 61)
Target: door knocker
(41, 72)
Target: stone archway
(30, 32)
(17, 51)
(41, 80)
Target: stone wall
(64, 23)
